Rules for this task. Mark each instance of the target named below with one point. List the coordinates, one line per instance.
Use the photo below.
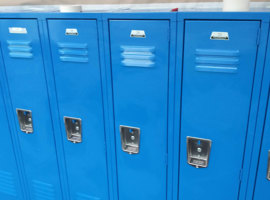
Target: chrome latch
(25, 120)
(198, 151)
(73, 129)
(130, 139)
(268, 168)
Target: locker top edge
(180, 16)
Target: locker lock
(198, 152)
(25, 120)
(130, 139)
(268, 168)
(73, 129)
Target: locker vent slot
(7, 185)
(212, 60)
(81, 196)
(138, 56)
(73, 52)
(20, 49)
(43, 191)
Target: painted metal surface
(23, 64)
(262, 181)
(140, 100)
(216, 96)
(10, 188)
(79, 95)
(263, 175)
(119, 69)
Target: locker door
(74, 46)
(139, 56)
(218, 70)
(27, 86)
(263, 174)
(9, 178)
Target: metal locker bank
(134, 106)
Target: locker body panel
(10, 188)
(218, 71)
(27, 86)
(262, 183)
(139, 59)
(79, 95)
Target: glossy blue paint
(108, 79)
(140, 95)
(262, 184)
(27, 87)
(216, 104)
(10, 188)
(79, 95)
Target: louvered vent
(80, 196)
(73, 52)
(43, 191)
(20, 49)
(7, 185)
(138, 56)
(212, 60)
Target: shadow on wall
(57, 2)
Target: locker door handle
(268, 167)
(25, 120)
(198, 152)
(73, 129)
(130, 139)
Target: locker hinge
(258, 36)
(240, 175)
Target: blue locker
(218, 72)
(75, 50)
(24, 69)
(263, 174)
(262, 181)
(139, 61)
(10, 188)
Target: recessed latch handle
(198, 151)
(130, 139)
(73, 129)
(25, 120)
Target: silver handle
(25, 120)
(130, 139)
(73, 129)
(198, 151)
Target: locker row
(134, 106)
